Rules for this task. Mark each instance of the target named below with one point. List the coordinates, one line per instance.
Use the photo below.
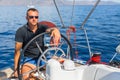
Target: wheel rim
(63, 40)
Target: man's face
(32, 18)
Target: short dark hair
(31, 9)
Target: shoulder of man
(42, 26)
(22, 28)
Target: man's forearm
(16, 57)
(51, 29)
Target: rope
(95, 59)
(76, 50)
(72, 29)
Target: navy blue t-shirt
(24, 35)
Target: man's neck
(33, 28)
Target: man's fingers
(55, 37)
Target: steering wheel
(52, 52)
(63, 49)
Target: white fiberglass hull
(55, 71)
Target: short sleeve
(19, 35)
(43, 28)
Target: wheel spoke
(39, 47)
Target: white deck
(83, 72)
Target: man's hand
(55, 37)
(15, 74)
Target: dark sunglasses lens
(36, 17)
(31, 17)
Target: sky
(96, 0)
(113, 0)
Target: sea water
(103, 29)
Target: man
(24, 34)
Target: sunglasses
(31, 17)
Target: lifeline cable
(89, 14)
(59, 14)
(82, 26)
(72, 11)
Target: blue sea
(103, 29)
